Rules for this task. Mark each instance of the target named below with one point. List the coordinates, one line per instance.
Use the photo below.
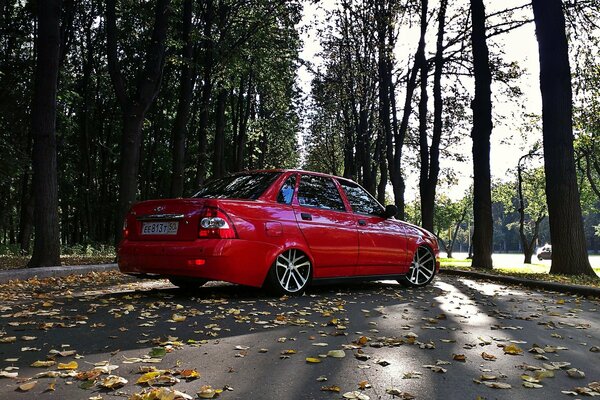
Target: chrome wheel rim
(292, 268)
(422, 267)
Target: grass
(534, 271)
(10, 257)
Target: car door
(382, 242)
(328, 228)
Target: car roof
(299, 171)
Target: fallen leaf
(488, 357)
(332, 388)
(459, 357)
(69, 366)
(336, 353)
(189, 374)
(355, 396)
(113, 382)
(313, 360)
(207, 392)
(575, 373)
(27, 386)
(513, 349)
(43, 364)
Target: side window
(316, 191)
(360, 200)
(287, 190)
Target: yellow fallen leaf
(207, 392)
(8, 339)
(70, 366)
(178, 317)
(513, 349)
(332, 388)
(313, 360)
(43, 364)
(488, 357)
(288, 352)
(148, 376)
(51, 387)
(27, 386)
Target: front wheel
(422, 269)
(290, 273)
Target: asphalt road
(257, 345)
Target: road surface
(455, 339)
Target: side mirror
(390, 211)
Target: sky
(507, 144)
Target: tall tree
(134, 106)
(186, 85)
(482, 130)
(46, 247)
(430, 156)
(569, 254)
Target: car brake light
(214, 224)
(125, 230)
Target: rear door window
(320, 192)
(360, 200)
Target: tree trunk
(218, 161)
(569, 253)
(240, 142)
(482, 130)
(186, 84)
(429, 175)
(134, 107)
(46, 247)
(207, 72)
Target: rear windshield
(239, 186)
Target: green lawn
(529, 271)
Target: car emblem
(159, 209)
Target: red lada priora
(281, 228)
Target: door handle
(306, 216)
(362, 222)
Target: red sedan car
(281, 228)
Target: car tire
(422, 269)
(290, 273)
(188, 284)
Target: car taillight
(215, 224)
(125, 229)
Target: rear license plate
(160, 228)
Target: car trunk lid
(165, 220)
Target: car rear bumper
(231, 260)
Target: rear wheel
(290, 273)
(422, 268)
(187, 283)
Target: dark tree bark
(482, 130)
(186, 84)
(424, 189)
(569, 253)
(46, 247)
(135, 107)
(384, 66)
(218, 161)
(430, 157)
(207, 86)
(245, 108)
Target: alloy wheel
(292, 270)
(422, 268)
